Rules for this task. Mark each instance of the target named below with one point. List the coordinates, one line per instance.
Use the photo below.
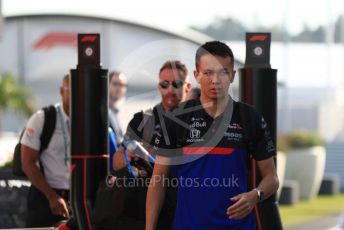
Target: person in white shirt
(49, 192)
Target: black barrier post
(89, 133)
(258, 87)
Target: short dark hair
(174, 64)
(112, 74)
(215, 48)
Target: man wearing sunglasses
(203, 145)
(173, 87)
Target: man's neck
(65, 110)
(166, 108)
(113, 103)
(214, 107)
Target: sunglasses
(176, 84)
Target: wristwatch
(260, 194)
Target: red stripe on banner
(207, 150)
(88, 156)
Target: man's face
(118, 87)
(214, 75)
(172, 87)
(65, 95)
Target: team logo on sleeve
(30, 131)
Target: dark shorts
(38, 209)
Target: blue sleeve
(112, 148)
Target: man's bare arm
(29, 158)
(245, 202)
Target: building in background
(316, 109)
(311, 94)
(311, 89)
(335, 159)
(1, 21)
(40, 49)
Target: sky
(293, 14)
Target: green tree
(224, 29)
(13, 96)
(231, 29)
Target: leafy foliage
(13, 96)
(231, 29)
(298, 139)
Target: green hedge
(297, 140)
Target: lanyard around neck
(64, 134)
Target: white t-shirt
(55, 157)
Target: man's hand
(58, 206)
(119, 161)
(29, 158)
(131, 156)
(244, 203)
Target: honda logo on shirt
(194, 133)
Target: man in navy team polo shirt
(202, 145)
